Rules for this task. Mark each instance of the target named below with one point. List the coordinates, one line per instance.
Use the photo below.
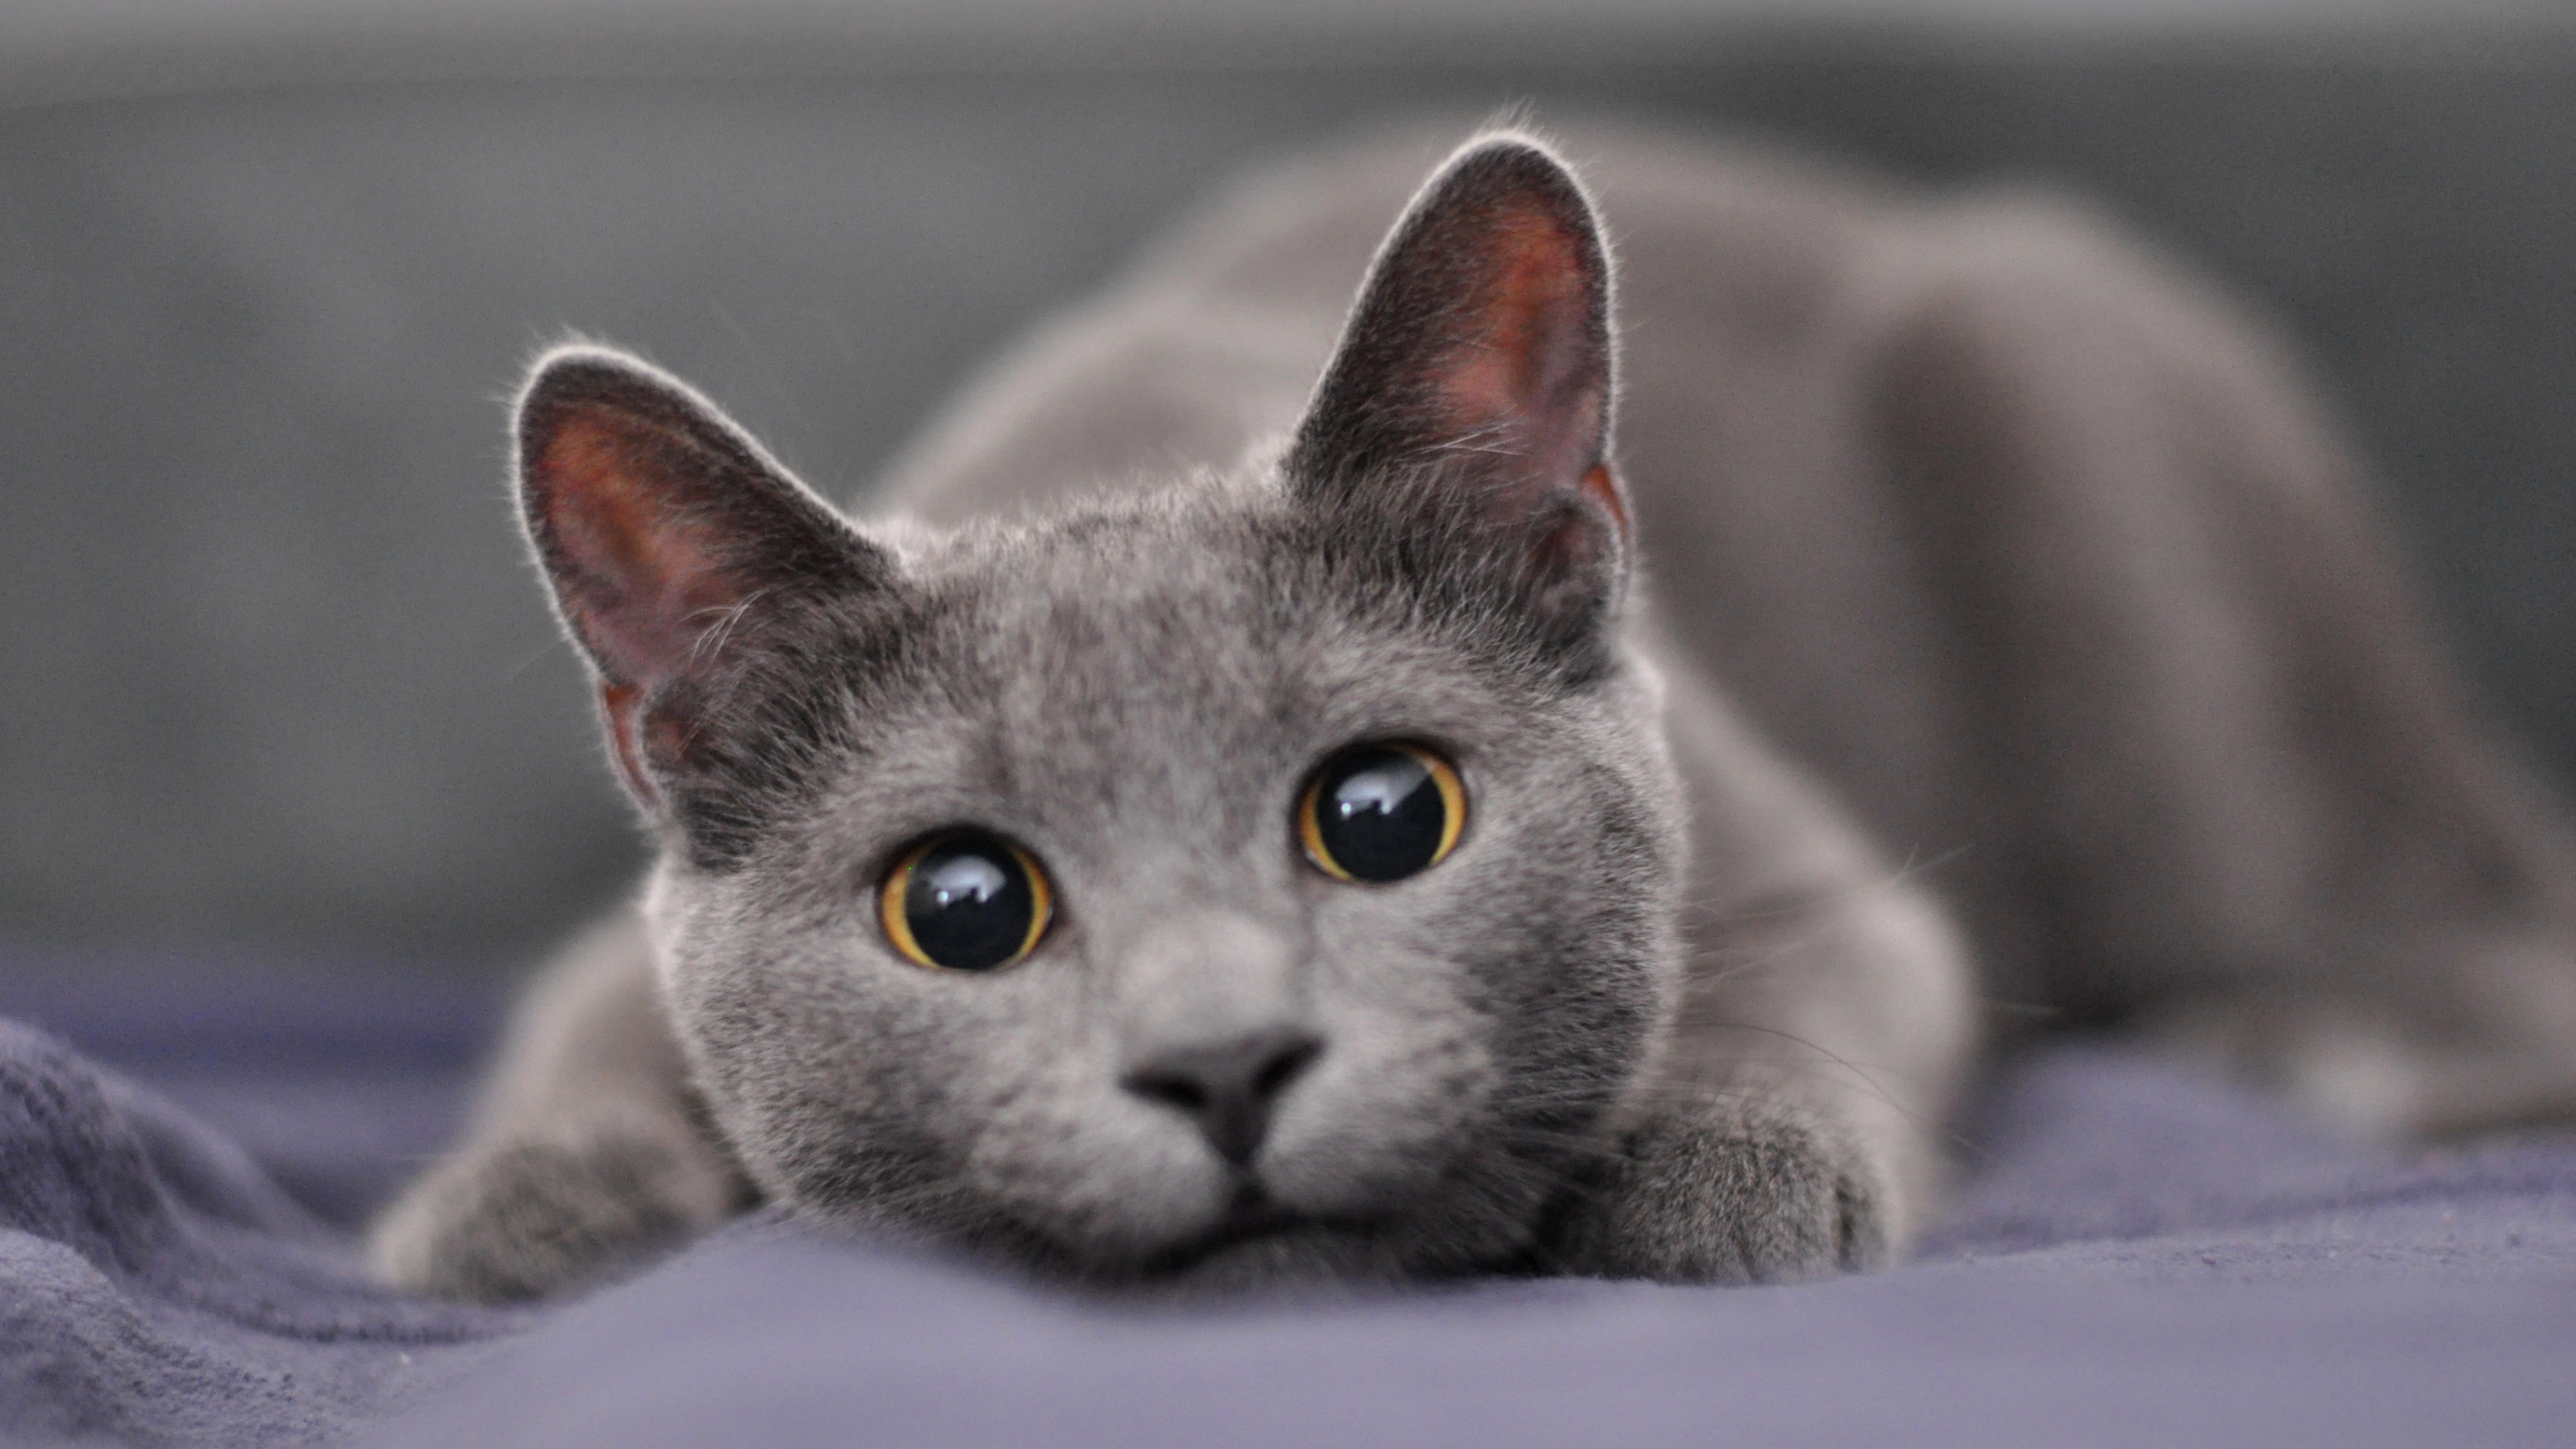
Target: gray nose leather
(1228, 1089)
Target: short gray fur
(1955, 519)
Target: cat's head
(1272, 875)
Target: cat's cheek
(786, 1027)
(1053, 1144)
(1107, 1195)
(1382, 1118)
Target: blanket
(2138, 1256)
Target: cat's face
(1275, 875)
(1139, 702)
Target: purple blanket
(2138, 1257)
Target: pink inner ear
(1602, 486)
(1525, 378)
(643, 579)
(622, 705)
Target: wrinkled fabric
(157, 1288)
(2138, 1257)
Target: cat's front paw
(523, 1219)
(1730, 1199)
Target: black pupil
(1380, 814)
(969, 904)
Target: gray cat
(1221, 827)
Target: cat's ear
(671, 540)
(1473, 383)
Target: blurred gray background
(274, 681)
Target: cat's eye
(965, 900)
(1381, 812)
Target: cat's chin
(1266, 1252)
(1258, 1245)
(1269, 1251)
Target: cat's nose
(1229, 1088)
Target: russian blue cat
(1282, 788)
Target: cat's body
(2007, 633)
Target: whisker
(712, 639)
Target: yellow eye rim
(898, 883)
(1453, 811)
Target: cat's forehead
(1177, 637)
(1170, 605)
(1143, 598)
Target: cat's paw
(1730, 1199)
(523, 1219)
